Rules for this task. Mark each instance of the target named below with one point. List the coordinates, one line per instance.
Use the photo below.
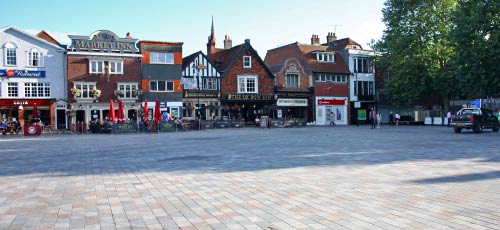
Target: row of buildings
(75, 83)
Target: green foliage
(476, 38)
(447, 48)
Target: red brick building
(247, 85)
(102, 67)
(314, 71)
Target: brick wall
(229, 80)
(78, 70)
(332, 89)
(303, 78)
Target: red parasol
(35, 116)
(157, 112)
(111, 114)
(120, 117)
(146, 111)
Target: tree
(476, 39)
(415, 49)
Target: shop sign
(21, 73)
(251, 97)
(201, 94)
(17, 102)
(103, 40)
(331, 102)
(291, 102)
(293, 94)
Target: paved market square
(397, 177)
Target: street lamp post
(198, 67)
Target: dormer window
(324, 56)
(247, 62)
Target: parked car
(476, 119)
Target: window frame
(247, 63)
(113, 65)
(167, 85)
(31, 58)
(245, 79)
(37, 89)
(291, 75)
(168, 58)
(128, 90)
(85, 89)
(97, 66)
(209, 81)
(9, 46)
(12, 89)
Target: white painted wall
(54, 63)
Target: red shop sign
(24, 102)
(331, 102)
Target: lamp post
(198, 67)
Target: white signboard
(357, 104)
(291, 102)
(280, 114)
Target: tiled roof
(305, 55)
(342, 44)
(223, 57)
(46, 36)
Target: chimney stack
(315, 40)
(228, 43)
(331, 37)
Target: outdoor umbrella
(111, 114)
(146, 111)
(157, 112)
(35, 115)
(120, 116)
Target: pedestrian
(396, 116)
(379, 118)
(372, 117)
(391, 118)
(332, 119)
(448, 115)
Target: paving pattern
(250, 178)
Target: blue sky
(268, 24)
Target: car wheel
(458, 130)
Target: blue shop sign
(163, 104)
(21, 73)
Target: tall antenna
(335, 26)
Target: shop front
(83, 113)
(21, 110)
(209, 106)
(246, 107)
(326, 105)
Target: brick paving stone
(307, 178)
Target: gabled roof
(190, 58)
(225, 59)
(4, 29)
(307, 57)
(46, 36)
(342, 44)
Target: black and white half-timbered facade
(201, 83)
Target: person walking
(397, 118)
(332, 119)
(379, 118)
(372, 117)
(448, 115)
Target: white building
(32, 71)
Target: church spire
(211, 41)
